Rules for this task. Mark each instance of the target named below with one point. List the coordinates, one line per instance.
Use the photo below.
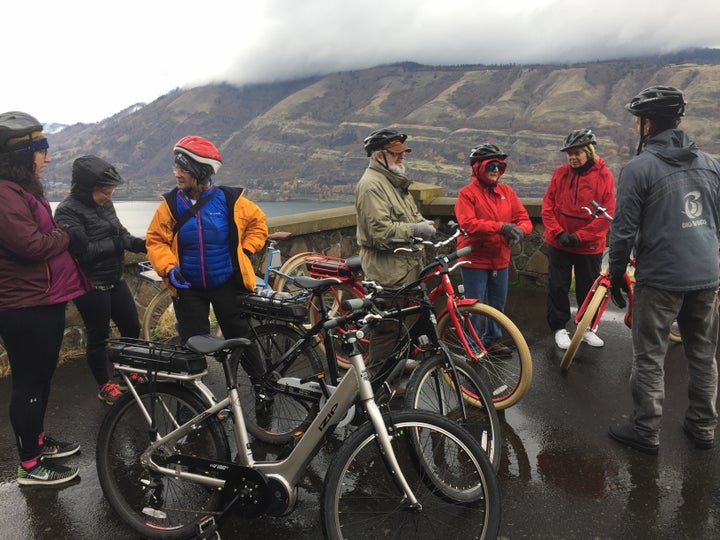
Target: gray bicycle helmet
(578, 139)
(19, 131)
(485, 152)
(658, 101)
(379, 138)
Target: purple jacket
(35, 266)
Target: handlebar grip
(462, 252)
(353, 304)
(595, 204)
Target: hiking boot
(498, 349)
(700, 442)
(109, 393)
(592, 339)
(52, 448)
(135, 379)
(562, 339)
(45, 473)
(626, 434)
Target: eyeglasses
(394, 154)
(495, 166)
(179, 170)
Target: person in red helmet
(38, 276)
(200, 241)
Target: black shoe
(703, 444)
(52, 448)
(625, 434)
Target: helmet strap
(642, 135)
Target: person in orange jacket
(200, 241)
(495, 220)
(575, 239)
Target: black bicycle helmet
(658, 101)
(485, 152)
(578, 139)
(379, 138)
(20, 131)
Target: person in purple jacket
(37, 278)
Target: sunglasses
(495, 166)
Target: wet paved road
(561, 476)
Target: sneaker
(52, 448)
(626, 434)
(562, 339)
(592, 339)
(701, 443)
(135, 379)
(45, 473)
(109, 393)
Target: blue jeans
(697, 315)
(489, 287)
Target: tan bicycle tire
(290, 268)
(512, 337)
(584, 323)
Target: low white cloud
(79, 61)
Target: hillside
(303, 139)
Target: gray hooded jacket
(668, 211)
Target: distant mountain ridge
(303, 138)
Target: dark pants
(97, 309)
(192, 309)
(32, 338)
(560, 269)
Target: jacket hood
(89, 171)
(672, 146)
(400, 181)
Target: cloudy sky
(81, 61)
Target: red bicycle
(591, 311)
(506, 365)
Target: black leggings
(32, 338)
(97, 309)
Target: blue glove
(177, 279)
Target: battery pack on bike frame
(278, 306)
(155, 356)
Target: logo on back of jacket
(693, 210)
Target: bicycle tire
(506, 373)
(431, 387)
(297, 265)
(583, 324)
(277, 419)
(160, 324)
(445, 467)
(154, 505)
(332, 299)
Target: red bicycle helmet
(199, 149)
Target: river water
(136, 215)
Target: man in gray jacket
(386, 210)
(668, 205)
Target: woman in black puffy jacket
(100, 244)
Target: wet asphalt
(561, 477)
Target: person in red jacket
(495, 220)
(575, 239)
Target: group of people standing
(203, 237)
(667, 209)
(78, 255)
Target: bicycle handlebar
(599, 210)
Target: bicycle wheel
(277, 416)
(675, 336)
(332, 299)
(297, 265)
(506, 366)
(155, 505)
(432, 387)
(445, 467)
(584, 323)
(160, 324)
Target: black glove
(250, 254)
(566, 239)
(512, 232)
(78, 240)
(424, 229)
(617, 286)
(137, 245)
